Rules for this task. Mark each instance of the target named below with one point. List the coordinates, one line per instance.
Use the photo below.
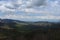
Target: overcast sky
(30, 10)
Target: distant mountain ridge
(10, 20)
(20, 21)
(10, 23)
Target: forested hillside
(20, 30)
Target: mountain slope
(22, 26)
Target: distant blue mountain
(10, 20)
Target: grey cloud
(14, 6)
(37, 3)
(9, 7)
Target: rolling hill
(21, 30)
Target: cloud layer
(30, 9)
